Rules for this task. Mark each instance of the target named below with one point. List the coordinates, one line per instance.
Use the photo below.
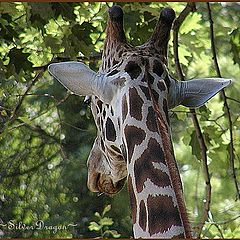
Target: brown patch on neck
(124, 107)
(151, 120)
(135, 104)
(144, 168)
(134, 136)
(133, 201)
(142, 215)
(171, 163)
(162, 215)
(111, 134)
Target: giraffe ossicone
(131, 95)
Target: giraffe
(131, 95)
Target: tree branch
(92, 58)
(18, 106)
(54, 60)
(208, 187)
(226, 106)
(39, 130)
(233, 99)
(190, 7)
(32, 169)
(226, 221)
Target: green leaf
(8, 7)
(186, 139)
(192, 22)
(106, 221)
(66, 10)
(3, 113)
(106, 209)
(195, 145)
(183, 54)
(235, 45)
(52, 42)
(19, 60)
(97, 215)
(205, 112)
(115, 234)
(94, 226)
(26, 120)
(82, 32)
(40, 12)
(7, 31)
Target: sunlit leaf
(106, 209)
(184, 53)
(235, 44)
(195, 146)
(26, 120)
(192, 22)
(115, 234)
(97, 215)
(106, 221)
(94, 226)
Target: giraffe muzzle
(106, 185)
(102, 183)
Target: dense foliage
(46, 133)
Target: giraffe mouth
(104, 184)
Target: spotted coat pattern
(130, 143)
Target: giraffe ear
(74, 76)
(196, 92)
(81, 80)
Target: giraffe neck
(158, 208)
(154, 183)
(165, 135)
(156, 202)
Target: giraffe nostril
(120, 183)
(106, 185)
(115, 13)
(92, 182)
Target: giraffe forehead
(136, 54)
(135, 64)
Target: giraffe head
(123, 67)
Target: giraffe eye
(133, 69)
